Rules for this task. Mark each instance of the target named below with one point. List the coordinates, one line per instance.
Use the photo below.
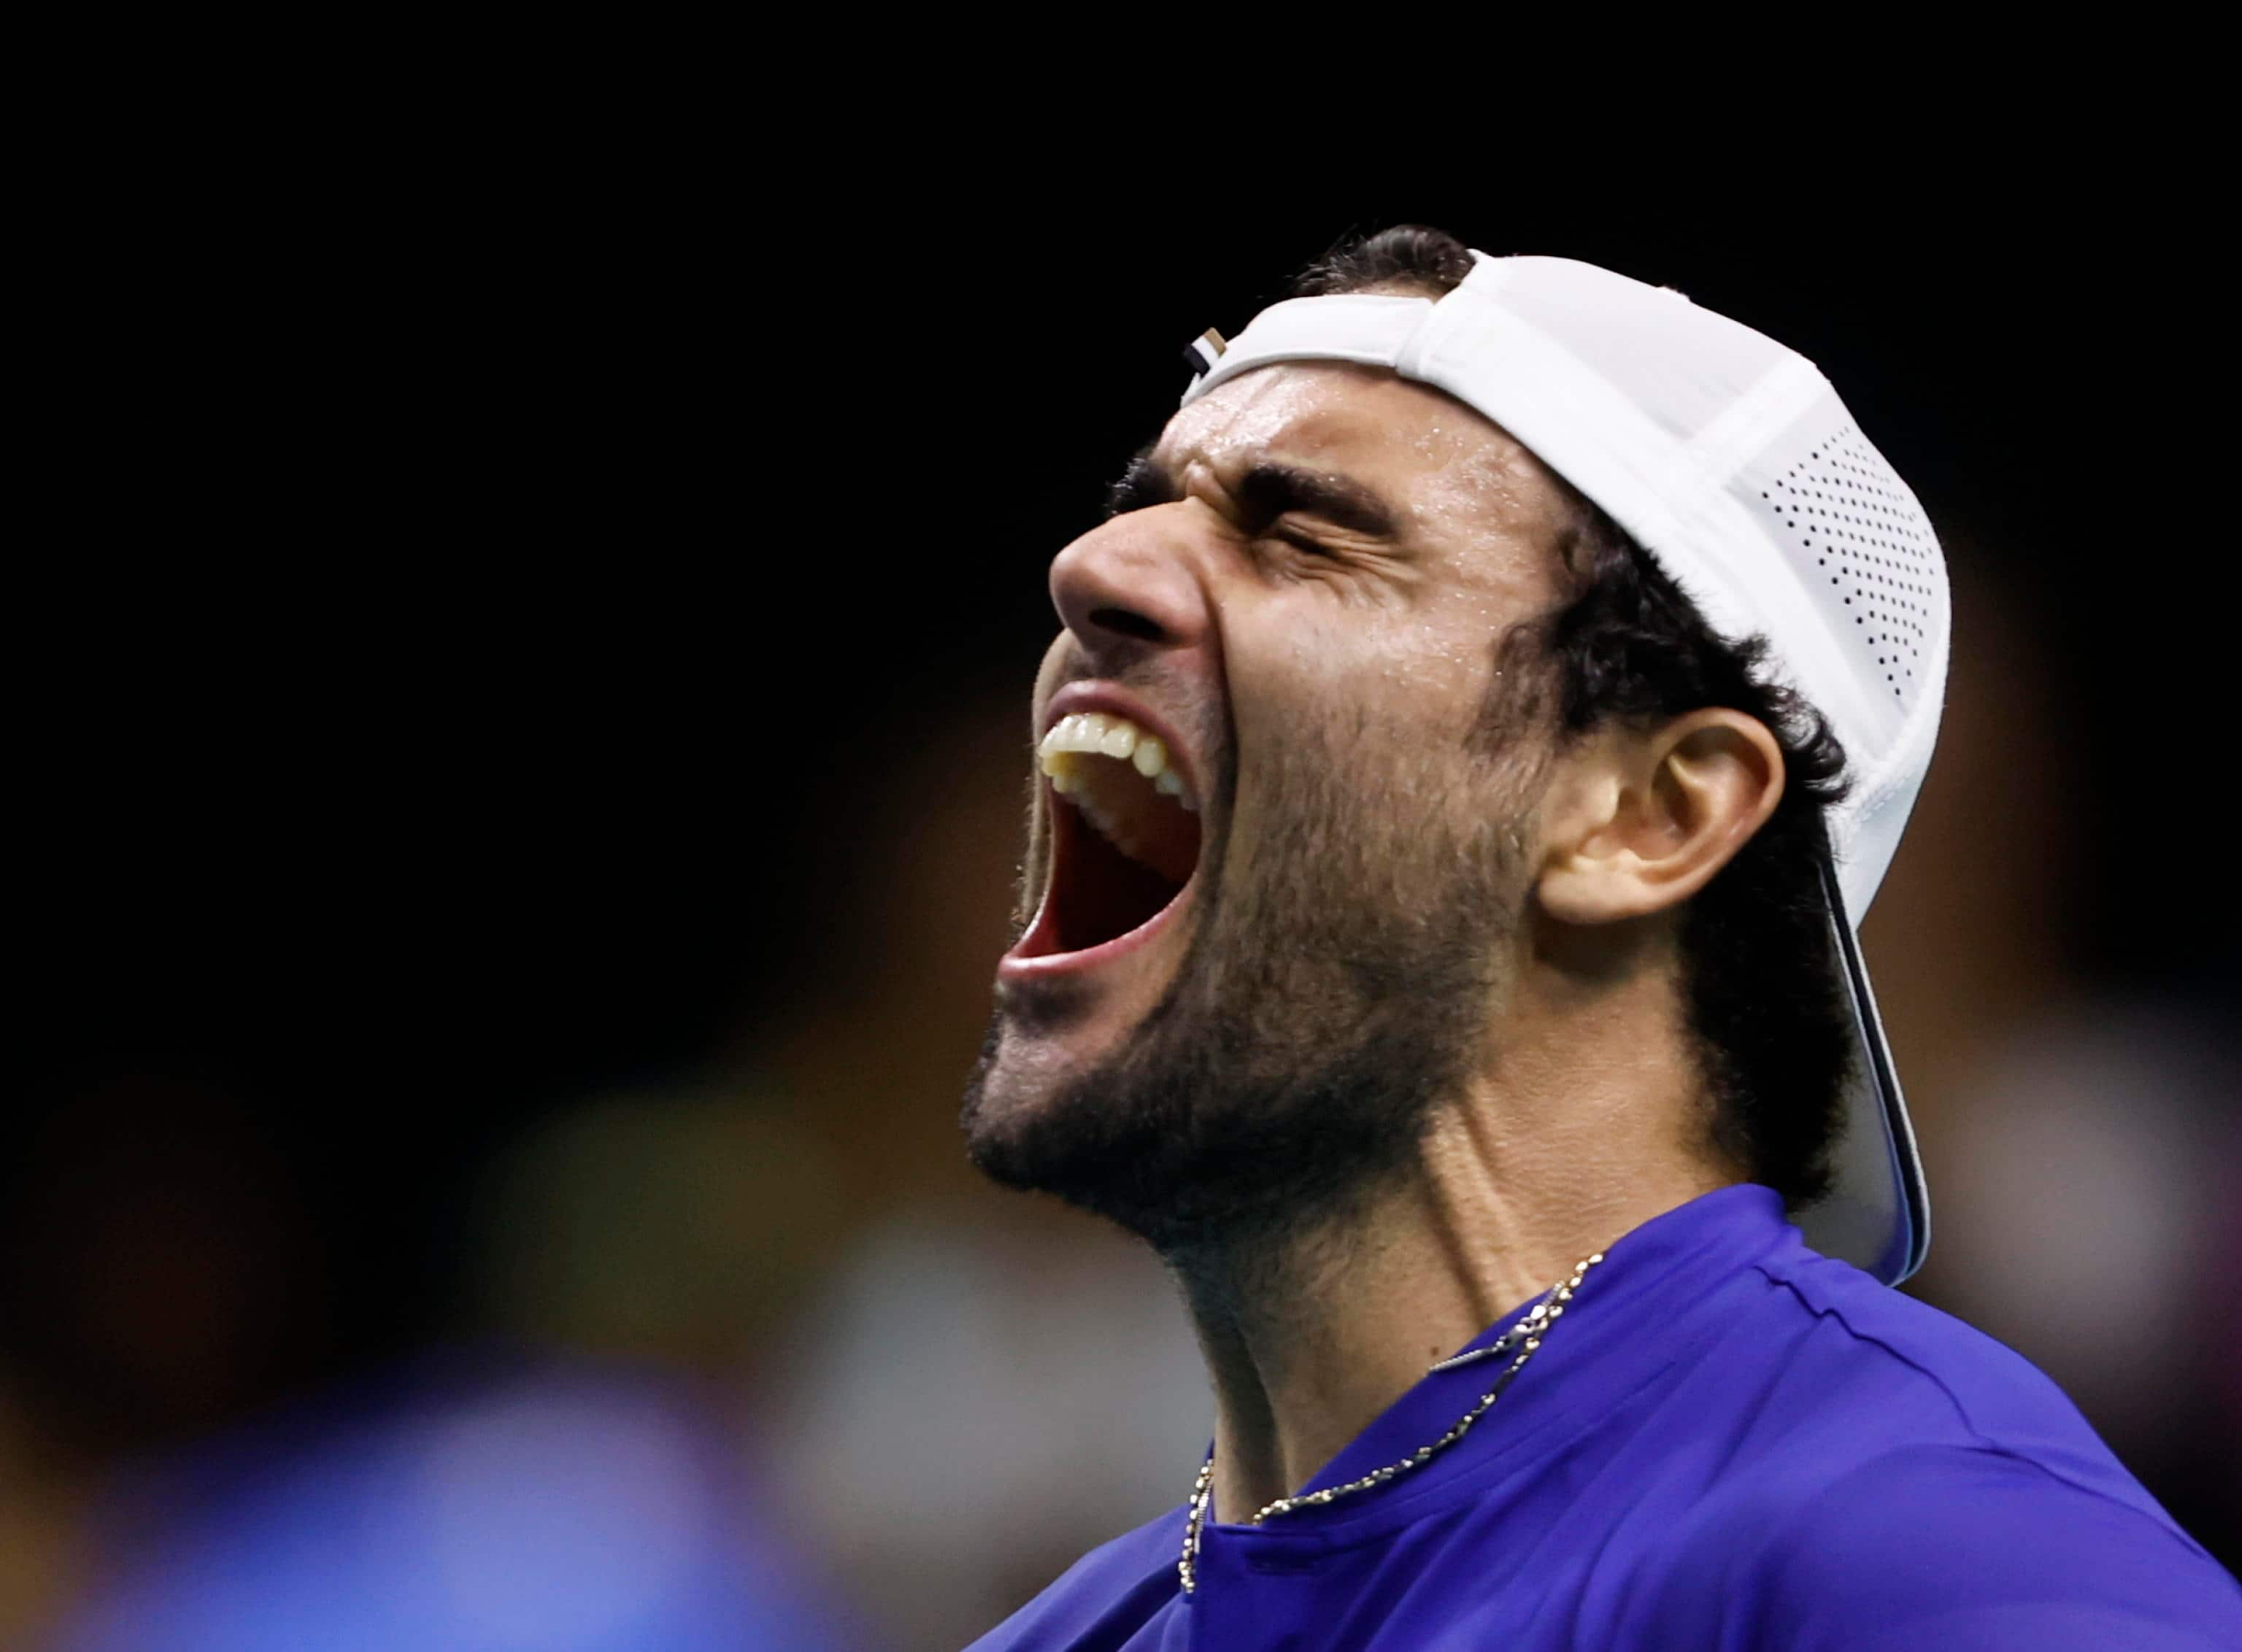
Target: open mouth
(1124, 834)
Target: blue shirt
(1728, 1441)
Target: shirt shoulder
(1917, 1375)
(1915, 1482)
(1102, 1598)
(1937, 1545)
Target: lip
(1016, 969)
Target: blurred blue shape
(544, 1509)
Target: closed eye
(1301, 540)
(1270, 492)
(1267, 492)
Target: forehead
(1441, 465)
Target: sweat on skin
(1409, 1042)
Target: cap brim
(1877, 1212)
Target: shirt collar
(1589, 1359)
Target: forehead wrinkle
(1254, 411)
(1459, 471)
(1285, 421)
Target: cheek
(1385, 718)
(1371, 742)
(1412, 679)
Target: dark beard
(1332, 994)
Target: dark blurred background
(524, 659)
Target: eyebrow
(1142, 486)
(1266, 492)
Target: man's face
(1235, 1013)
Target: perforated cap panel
(1848, 511)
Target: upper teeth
(1104, 734)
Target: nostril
(1127, 623)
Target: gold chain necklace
(1525, 1336)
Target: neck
(1310, 1334)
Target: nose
(1130, 587)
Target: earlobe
(1654, 815)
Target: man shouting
(1477, 731)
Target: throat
(1311, 1335)
(1293, 1357)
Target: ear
(1648, 816)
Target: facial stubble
(1338, 986)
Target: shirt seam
(1980, 1441)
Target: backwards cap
(1729, 459)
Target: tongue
(1098, 893)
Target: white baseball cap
(1729, 459)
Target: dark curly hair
(1765, 1004)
